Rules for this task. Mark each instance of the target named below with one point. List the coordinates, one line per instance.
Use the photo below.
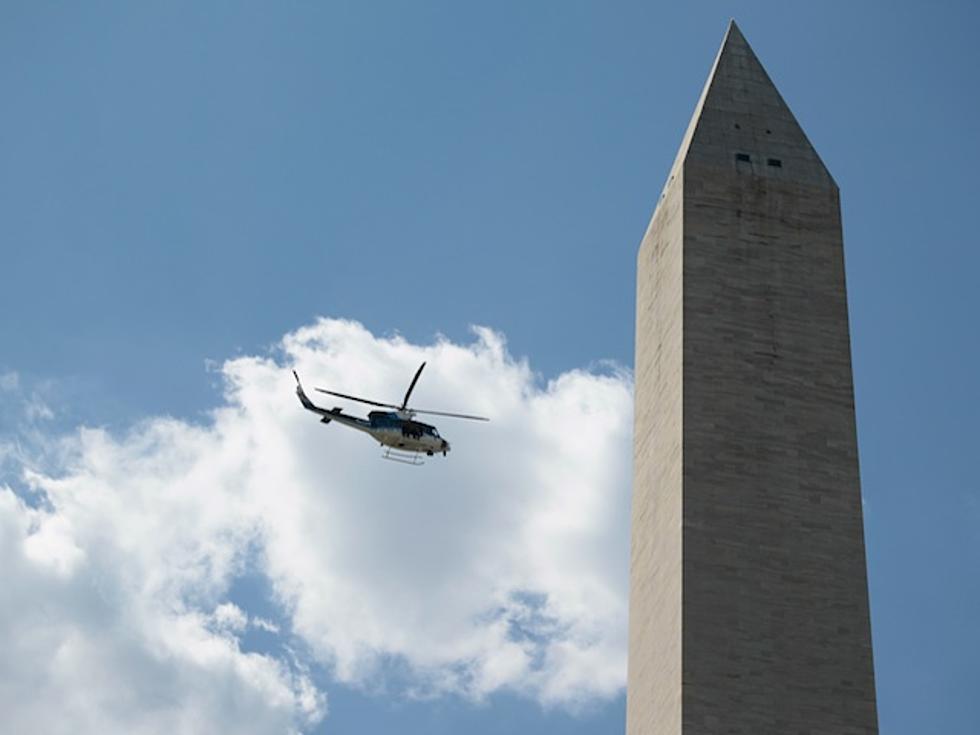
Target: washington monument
(748, 601)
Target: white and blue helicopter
(404, 438)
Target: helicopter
(403, 437)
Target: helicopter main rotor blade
(412, 386)
(355, 398)
(451, 415)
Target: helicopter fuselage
(407, 434)
(388, 428)
(391, 430)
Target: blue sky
(184, 184)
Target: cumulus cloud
(86, 652)
(500, 568)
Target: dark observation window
(775, 162)
(742, 157)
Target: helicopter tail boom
(328, 415)
(304, 399)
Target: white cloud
(9, 381)
(501, 567)
(262, 624)
(228, 616)
(36, 409)
(84, 652)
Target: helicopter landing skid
(397, 455)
